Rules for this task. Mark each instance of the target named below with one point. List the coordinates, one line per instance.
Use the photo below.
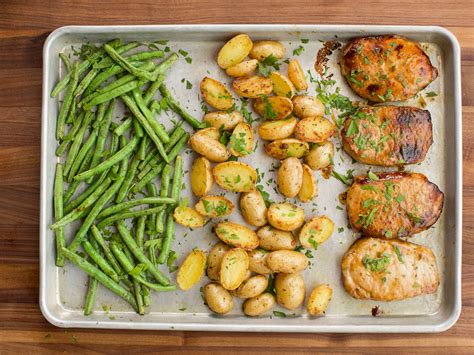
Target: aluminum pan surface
(62, 290)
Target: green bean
(91, 294)
(164, 190)
(168, 239)
(124, 126)
(93, 271)
(66, 62)
(106, 96)
(122, 154)
(122, 193)
(103, 131)
(151, 154)
(136, 202)
(76, 213)
(152, 192)
(142, 149)
(157, 127)
(174, 105)
(86, 147)
(107, 61)
(128, 66)
(99, 260)
(79, 199)
(135, 249)
(124, 79)
(165, 65)
(125, 215)
(153, 88)
(146, 126)
(140, 233)
(66, 105)
(72, 112)
(137, 289)
(138, 128)
(86, 81)
(69, 137)
(108, 254)
(145, 55)
(58, 213)
(62, 84)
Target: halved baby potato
(258, 262)
(204, 143)
(253, 86)
(241, 140)
(315, 129)
(316, 231)
(290, 177)
(214, 260)
(319, 299)
(253, 208)
(235, 264)
(243, 69)
(320, 155)
(307, 106)
(285, 216)
(191, 270)
(273, 130)
(282, 86)
(235, 176)
(274, 239)
(216, 94)
(188, 217)
(201, 176)
(285, 148)
(296, 75)
(287, 261)
(214, 206)
(309, 186)
(237, 235)
(273, 107)
(263, 49)
(234, 51)
(223, 120)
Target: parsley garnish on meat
(377, 264)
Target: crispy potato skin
(416, 275)
(401, 135)
(414, 206)
(386, 68)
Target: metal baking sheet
(62, 291)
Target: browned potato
(237, 235)
(262, 49)
(214, 206)
(235, 176)
(290, 177)
(296, 75)
(273, 130)
(319, 300)
(290, 290)
(201, 176)
(223, 120)
(234, 51)
(253, 86)
(204, 144)
(307, 106)
(315, 129)
(273, 107)
(282, 86)
(252, 287)
(258, 305)
(275, 239)
(191, 270)
(216, 94)
(320, 155)
(243, 69)
(253, 208)
(241, 140)
(316, 231)
(235, 264)
(258, 262)
(214, 260)
(285, 216)
(287, 261)
(285, 148)
(309, 186)
(188, 217)
(218, 299)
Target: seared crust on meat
(396, 205)
(388, 270)
(388, 135)
(386, 68)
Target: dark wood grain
(24, 25)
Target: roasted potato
(201, 176)
(273, 130)
(258, 305)
(273, 107)
(274, 239)
(285, 148)
(223, 120)
(237, 235)
(319, 299)
(320, 155)
(258, 262)
(234, 51)
(241, 140)
(315, 129)
(316, 231)
(290, 177)
(309, 187)
(204, 144)
(252, 287)
(263, 49)
(218, 299)
(214, 260)
(243, 69)
(253, 86)
(287, 261)
(296, 75)
(285, 216)
(235, 176)
(191, 270)
(282, 86)
(214, 206)
(290, 290)
(216, 94)
(253, 208)
(188, 217)
(210, 132)
(307, 106)
(235, 264)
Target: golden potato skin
(290, 177)
(410, 271)
(386, 68)
(258, 305)
(218, 299)
(290, 290)
(319, 299)
(253, 208)
(402, 135)
(414, 206)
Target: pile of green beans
(117, 167)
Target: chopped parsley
(399, 254)
(431, 94)
(377, 264)
(264, 67)
(298, 50)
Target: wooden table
(23, 28)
